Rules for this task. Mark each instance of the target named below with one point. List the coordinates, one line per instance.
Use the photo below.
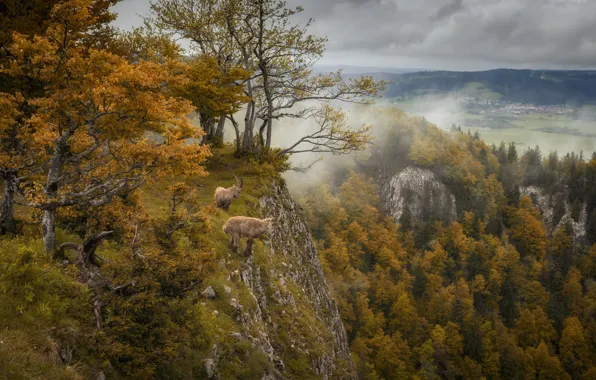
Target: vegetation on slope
(97, 146)
(153, 321)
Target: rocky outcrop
(557, 212)
(417, 194)
(291, 242)
(280, 302)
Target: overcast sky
(444, 34)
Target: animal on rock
(246, 227)
(223, 197)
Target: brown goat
(244, 226)
(223, 197)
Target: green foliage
(43, 311)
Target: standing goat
(223, 197)
(244, 226)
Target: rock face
(209, 293)
(416, 194)
(281, 304)
(291, 242)
(557, 212)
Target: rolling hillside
(522, 86)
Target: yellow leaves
(478, 284)
(528, 231)
(215, 89)
(333, 121)
(9, 112)
(575, 349)
(433, 261)
(423, 151)
(71, 18)
(142, 44)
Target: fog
(563, 134)
(443, 112)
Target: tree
(33, 17)
(528, 231)
(14, 156)
(216, 92)
(259, 36)
(533, 327)
(547, 367)
(561, 248)
(144, 44)
(105, 125)
(575, 353)
(28, 19)
(330, 135)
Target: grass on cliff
(47, 326)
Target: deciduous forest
(495, 293)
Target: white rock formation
(547, 204)
(413, 189)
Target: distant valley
(554, 109)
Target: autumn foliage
(109, 133)
(104, 125)
(494, 294)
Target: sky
(443, 34)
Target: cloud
(449, 34)
(449, 9)
(545, 33)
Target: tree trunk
(49, 230)
(248, 145)
(269, 128)
(52, 186)
(261, 137)
(219, 132)
(7, 224)
(207, 126)
(263, 65)
(269, 97)
(237, 131)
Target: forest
(541, 87)
(494, 294)
(114, 263)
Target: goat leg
(248, 251)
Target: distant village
(513, 110)
(489, 107)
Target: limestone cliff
(557, 212)
(417, 194)
(288, 314)
(292, 243)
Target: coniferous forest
(116, 262)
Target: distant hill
(352, 70)
(523, 86)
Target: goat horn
(239, 181)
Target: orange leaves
(15, 135)
(106, 123)
(528, 231)
(9, 112)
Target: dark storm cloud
(449, 9)
(446, 33)
(515, 32)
